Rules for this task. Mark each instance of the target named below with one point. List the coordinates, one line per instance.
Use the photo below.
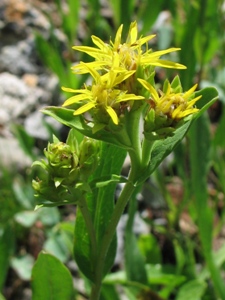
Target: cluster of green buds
(67, 168)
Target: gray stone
(35, 126)
(17, 99)
(12, 156)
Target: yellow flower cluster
(173, 105)
(116, 72)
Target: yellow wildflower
(103, 94)
(173, 105)
(130, 53)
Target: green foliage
(51, 279)
(100, 203)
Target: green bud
(89, 158)
(149, 124)
(157, 127)
(62, 162)
(46, 189)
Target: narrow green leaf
(199, 158)
(26, 142)
(134, 260)
(147, 13)
(219, 139)
(51, 280)
(163, 148)
(66, 117)
(2, 297)
(82, 246)
(192, 290)
(6, 250)
(149, 248)
(23, 265)
(109, 292)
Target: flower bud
(63, 162)
(46, 189)
(89, 158)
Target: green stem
(109, 233)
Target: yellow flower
(130, 53)
(172, 105)
(103, 94)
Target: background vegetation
(183, 207)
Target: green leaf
(200, 144)
(66, 117)
(147, 13)
(100, 203)
(6, 250)
(2, 297)
(51, 280)
(163, 148)
(23, 265)
(108, 292)
(219, 139)
(193, 290)
(26, 142)
(59, 245)
(159, 275)
(134, 260)
(209, 96)
(149, 248)
(26, 218)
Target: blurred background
(179, 225)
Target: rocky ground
(26, 84)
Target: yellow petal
(92, 71)
(98, 42)
(112, 114)
(163, 52)
(82, 67)
(144, 40)
(94, 52)
(149, 87)
(132, 36)
(193, 101)
(117, 41)
(127, 97)
(84, 108)
(162, 63)
(76, 99)
(190, 91)
(65, 89)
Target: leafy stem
(109, 233)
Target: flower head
(115, 71)
(168, 103)
(103, 95)
(167, 108)
(131, 55)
